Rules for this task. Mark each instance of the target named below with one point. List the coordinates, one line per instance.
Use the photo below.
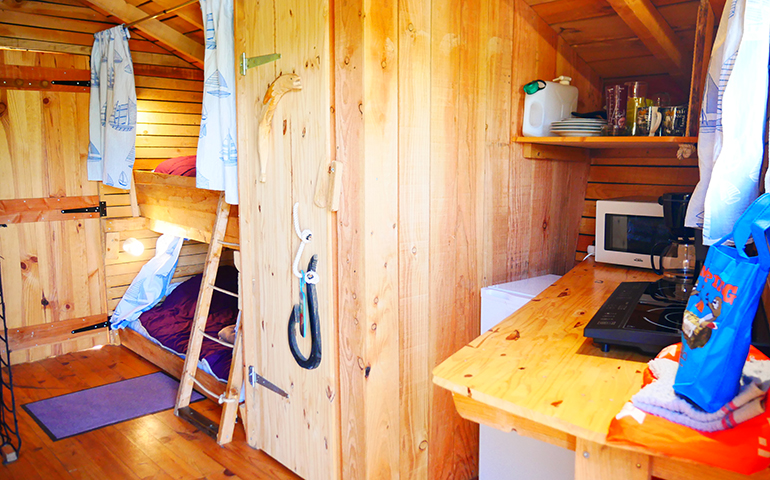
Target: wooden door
(52, 263)
(301, 431)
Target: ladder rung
(230, 244)
(217, 339)
(226, 292)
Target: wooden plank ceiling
(617, 38)
(44, 25)
(627, 38)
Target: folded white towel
(659, 398)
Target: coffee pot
(676, 258)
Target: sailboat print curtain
(112, 114)
(217, 161)
(732, 120)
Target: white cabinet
(508, 455)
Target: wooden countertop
(535, 373)
(537, 365)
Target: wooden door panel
(301, 432)
(53, 271)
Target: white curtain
(151, 283)
(732, 119)
(217, 162)
(112, 114)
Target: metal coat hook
(314, 358)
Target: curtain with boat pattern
(112, 113)
(217, 160)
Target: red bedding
(182, 166)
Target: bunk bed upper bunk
(172, 204)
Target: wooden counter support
(593, 461)
(535, 373)
(475, 411)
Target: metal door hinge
(251, 62)
(96, 326)
(72, 83)
(256, 379)
(101, 209)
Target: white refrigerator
(508, 455)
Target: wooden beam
(190, 13)
(26, 210)
(40, 78)
(656, 34)
(49, 333)
(186, 48)
(717, 6)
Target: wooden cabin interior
(405, 153)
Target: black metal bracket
(72, 83)
(92, 327)
(101, 209)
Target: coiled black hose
(314, 359)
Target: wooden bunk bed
(172, 204)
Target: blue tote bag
(716, 329)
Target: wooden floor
(159, 446)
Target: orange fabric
(744, 449)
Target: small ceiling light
(133, 247)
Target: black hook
(314, 359)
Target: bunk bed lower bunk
(173, 205)
(168, 325)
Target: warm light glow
(133, 247)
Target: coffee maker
(676, 259)
(648, 315)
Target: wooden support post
(602, 462)
(704, 40)
(132, 196)
(233, 392)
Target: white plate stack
(578, 127)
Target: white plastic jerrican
(555, 102)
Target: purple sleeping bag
(170, 322)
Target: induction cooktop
(643, 315)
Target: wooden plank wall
(168, 121)
(53, 272)
(629, 172)
(427, 98)
(169, 92)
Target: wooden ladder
(230, 398)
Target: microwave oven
(627, 229)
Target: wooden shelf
(608, 142)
